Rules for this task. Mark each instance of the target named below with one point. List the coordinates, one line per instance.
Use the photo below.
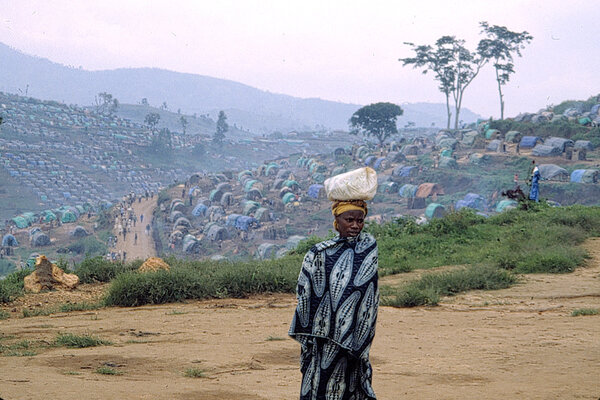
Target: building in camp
(9, 240)
(79, 232)
(585, 176)
(40, 239)
(472, 200)
(262, 215)
(583, 145)
(435, 210)
(530, 142)
(316, 191)
(245, 223)
(543, 150)
(552, 172)
(506, 205)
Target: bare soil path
(143, 247)
(516, 343)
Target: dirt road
(516, 343)
(143, 247)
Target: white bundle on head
(359, 184)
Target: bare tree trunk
(501, 96)
(448, 112)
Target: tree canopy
(378, 119)
(222, 127)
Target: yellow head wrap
(340, 207)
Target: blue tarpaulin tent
(199, 210)
(407, 171)
(315, 191)
(9, 241)
(378, 162)
(408, 190)
(584, 176)
(244, 223)
(369, 160)
(529, 141)
(472, 200)
(231, 218)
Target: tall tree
(499, 46)
(454, 66)
(151, 120)
(184, 123)
(106, 103)
(378, 120)
(222, 127)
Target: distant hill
(253, 109)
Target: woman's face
(350, 223)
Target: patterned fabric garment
(334, 322)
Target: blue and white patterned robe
(334, 322)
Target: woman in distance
(334, 321)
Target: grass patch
(71, 373)
(201, 280)
(79, 341)
(584, 311)
(12, 286)
(4, 315)
(84, 306)
(176, 312)
(105, 370)
(429, 288)
(97, 269)
(194, 373)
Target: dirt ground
(143, 247)
(517, 343)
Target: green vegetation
(204, 279)
(194, 373)
(585, 311)
(428, 289)
(88, 245)
(98, 269)
(4, 315)
(12, 286)
(6, 267)
(105, 370)
(24, 348)
(274, 339)
(79, 341)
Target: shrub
(585, 311)
(88, 245)
(12, 286)
(98, 269)
(105, 370)
(79, 341)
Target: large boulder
(153, 264)
(48, 276)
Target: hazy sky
(336, 50)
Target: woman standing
(334, 321)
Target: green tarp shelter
(48, 216)
(250, 207)
(505, 205)
(20, 222)
(288, 197)
(68, 216)
(435, 210)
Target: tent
(559, 142)
(585, 176)
(411, 150)
(215, 195)
(288, 197)
(214, 212)
(388, 187)
(435, 210)
(79, 232)
(468, 138)
(250, 207)
(292, 184)
(48, 216)
(224, 187)
(429, 189)
(492, 134)
(512, 136)
(244, 173)
(397, 170)
(369, 160)
(395, 157)
(494, 145)
(408, 190)
(174, 215)
(379, 163)
(472, 200)
(216, 232)
(448, 143)
(552, 172)
(293, 241)
(542, 150)
(252, 184)
(338, 170)
(32, 231)
(408, 171)
(278, 183)
(318, 177)
(272, 170)
(40, 239)
(266, 251)
(316, 191)
(244, 223)
(191, 245)
(9, 240)
(584, 144)
(262, 215)
(529, 141)
(199, 210)
(182, 221)
(20, 222)
(506, 205)
(478, 158)
(284, 174)
(68, 216)
(448, 162)
(254, 194)
(227, 199)
(231, 219)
